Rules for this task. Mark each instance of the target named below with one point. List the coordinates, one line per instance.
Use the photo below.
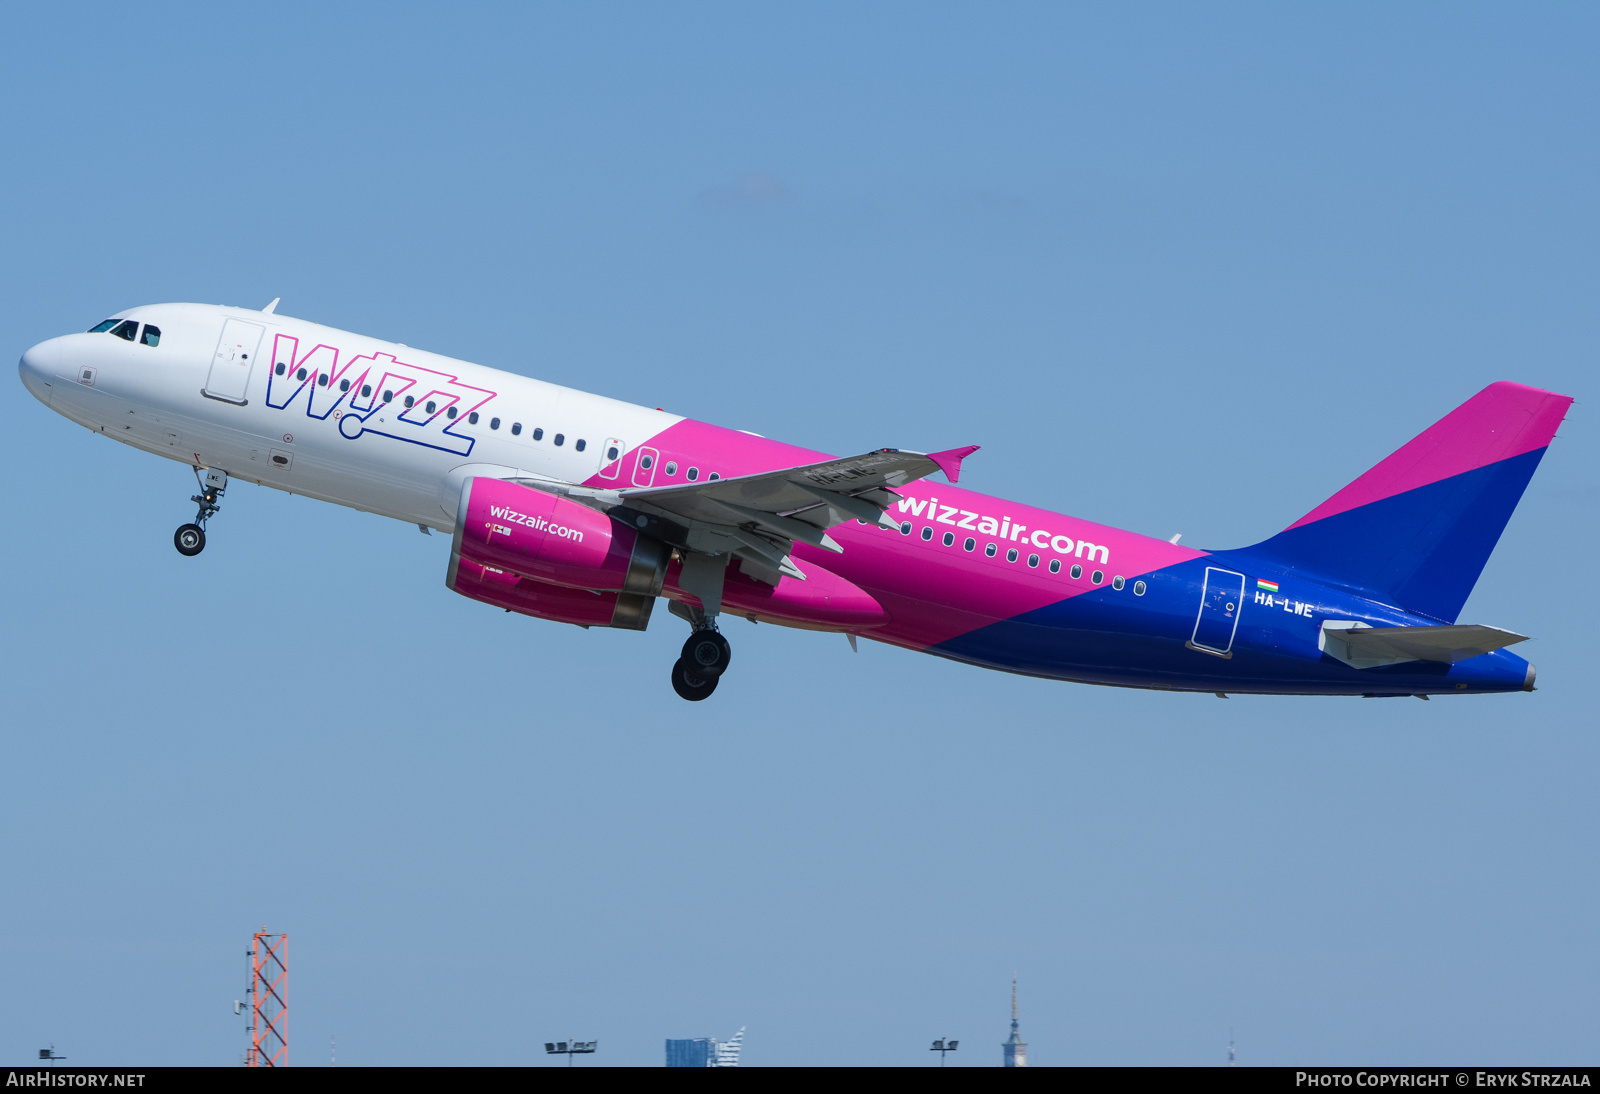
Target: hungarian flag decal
(1267, 586)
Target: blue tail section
(1422, 549)
(1418, 527)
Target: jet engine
(546, 555)
(559, 544)
(545, 601)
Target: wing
(759, 517)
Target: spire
(1016, 1053)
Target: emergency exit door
(230, 367)
(1221, 600)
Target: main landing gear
(190, 539)
(705, 657)
(706, 654)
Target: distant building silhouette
(1016, 1053)
(705, 1051)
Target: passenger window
(694, 473)
(451, 413)
(927, 533)
(281, 368)
(301, 375)
(905, 528)
(582, 444)
(646, 462)
(432, 406)
(151, 336)
(366, 391)
(322, 380)
(990, 550)
(672, 467)
(713, 477)
(560, 439)
(1097, 577)
(101, 328)
(494, 423)
(344, 385)
(1055, 565)
(612, 453)
(128, 328)
(388, 396)
(949, 538)
(1077, 572)
(538, 433)
(1138, 588)
(1011, 555)
(1033, 561)
(516, 429)
(411, 401)
(1117, 583)
(472, 419)
(967, 546)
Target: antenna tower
(269, 1000)
(1015, 1051)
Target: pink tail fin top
(1501, 421)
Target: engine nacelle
(554, 539)
(545, 601)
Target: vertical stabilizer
(1418, 528)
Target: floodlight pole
(570, 1048)
(942, 1046)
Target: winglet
(949, 460)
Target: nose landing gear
(190, 539)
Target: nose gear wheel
(190, 539)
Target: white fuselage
(286, 433)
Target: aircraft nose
(38, 368)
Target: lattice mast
(269, 1000)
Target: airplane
(585, 510)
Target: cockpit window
(128, 328)
(101, 327)
(152, 335)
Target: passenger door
(230, 366)
(1221, 600)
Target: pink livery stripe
(931, 592)
(1501, 421)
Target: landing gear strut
(190, 539)
(706, 654)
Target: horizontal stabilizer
(1364, 647)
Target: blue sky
(1178, 268)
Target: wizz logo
(374, 393)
